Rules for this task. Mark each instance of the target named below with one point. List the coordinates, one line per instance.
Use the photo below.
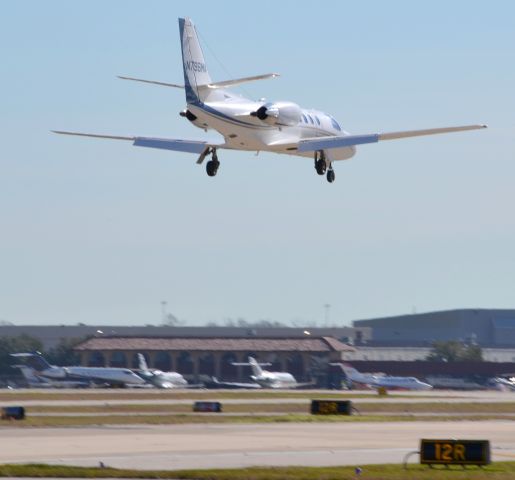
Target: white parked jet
(268, 379)
(106, 375)
(376, 381)
(278, 126)
(158, 378)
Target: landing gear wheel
(212, 167)
(320, 163)
(320, 166)
(213, 164)
(330, 175)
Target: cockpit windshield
(335, 124)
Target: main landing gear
(213, 164)
(322, 166)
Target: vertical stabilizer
(34, 360)
(351, 372)
(256, 369)
(195, 69)
(142, 362)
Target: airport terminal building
(201, 357)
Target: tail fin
(142, 362)
(34, 360)
(195, 69)
(350, 371)
(256, 369)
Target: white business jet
(103, 375)
(388, 382)
(158, 378)
(280, 126)
(267, 379)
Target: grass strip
(77, 421)
(497, 471)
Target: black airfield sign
(331, 407)
(454, 452)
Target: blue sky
(101, 232)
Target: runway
(240, 445)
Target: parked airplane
(376, 381)
(279, 126)
(106, 375)
(268, 379)
(34, 381)
(158, 378)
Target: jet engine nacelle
(59, 372)
(279, 113)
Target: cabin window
(311, 120)
(304, 119)
(317, 120)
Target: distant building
(50, 335)
(486, 327)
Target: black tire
(330, 176)
(212, 168)
(320, 166)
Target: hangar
(198, 357)
(486, 327)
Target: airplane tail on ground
(142, 363)
(257, 371)
(348, 369)
(195, 69)
(34, 360)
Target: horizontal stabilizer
(163, 84)
(326, 143)
(223, 84)
(188, 146)
(238, 81)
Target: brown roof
(322, 344)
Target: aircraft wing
(311, 384)
(177, 145)
(326, 143)
(215, 383)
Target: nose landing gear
(330, 174)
